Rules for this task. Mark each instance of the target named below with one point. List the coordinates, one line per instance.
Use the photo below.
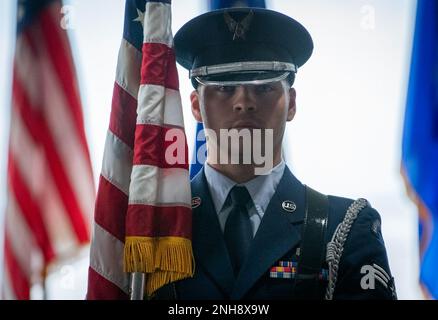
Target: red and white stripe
(154, 199)
(50, 182)
(106, 279)
(137, 182)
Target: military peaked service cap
(242, 45)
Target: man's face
(266, 106)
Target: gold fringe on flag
(139, 254)
(164, 260)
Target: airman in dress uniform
(266, 236)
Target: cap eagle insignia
(238, 28)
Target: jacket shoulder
(338, 207)
(364, 250)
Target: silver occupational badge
(238, 28)
(289, 206)
(375, 227)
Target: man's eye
(226, 89)
(262, 88)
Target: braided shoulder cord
(336, 246)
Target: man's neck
(241, 173)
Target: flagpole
(44, 288)
(43, 283)
(138, 281)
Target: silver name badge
(289, 206)
(196, 202)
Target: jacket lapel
(208, 241)
(277, 234)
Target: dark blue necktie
(238, 229)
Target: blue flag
(420, 139)
(198, 153)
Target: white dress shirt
(261, 188)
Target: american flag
(143, 212)
(50, 181)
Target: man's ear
(292, 104)
(196, 105)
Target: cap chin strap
(242, 82)
(243, 66)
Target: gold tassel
(166, 259)
(161, 278)
(139, 254)
(174, 254)
(173, 261)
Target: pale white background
(345, 139)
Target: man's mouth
(245, 125)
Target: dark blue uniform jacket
(278, 239)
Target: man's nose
(243, 100)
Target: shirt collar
(261, 188)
